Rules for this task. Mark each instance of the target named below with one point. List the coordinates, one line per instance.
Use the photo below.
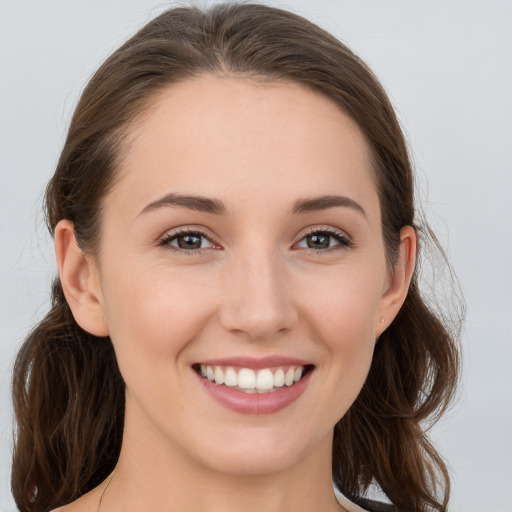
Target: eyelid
(184, 230)
(344, 239)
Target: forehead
(233, 137)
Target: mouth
(254, 386)
(253, 380)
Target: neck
(152, 475)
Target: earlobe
(80, 282)
(398, 286)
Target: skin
(255, 288)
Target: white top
(344, 502)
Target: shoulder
(73, 507)
(86, 503)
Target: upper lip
(256, 363)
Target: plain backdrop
(447, 66)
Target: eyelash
(344, 242)
(165, 242)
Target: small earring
(382, 320)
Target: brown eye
(318, 241)
(187, 241)
(324, 241)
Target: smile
(247, 380)
(255, 387)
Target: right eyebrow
(324, 202)
(192, 202)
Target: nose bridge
(258, 302)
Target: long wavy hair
(67, 389)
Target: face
(242, 242)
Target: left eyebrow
(198, 203)
(324, 202)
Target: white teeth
(219, 376)
(288, 378)
(231, 378)
(265, 380)
(246, 379)
(279, 378)
(251, 381)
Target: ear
(397, 285)
(80, 281)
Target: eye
(187, 241)
(323, 240)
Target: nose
(257, 297)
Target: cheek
(154, 315)
(346, 305)
(153, 318)
(344, 318)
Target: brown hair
(68, 392)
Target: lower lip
(255, 403)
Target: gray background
(447, 66)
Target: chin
(251, 462)
(254, 453)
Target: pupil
(318, 241)
(189, 242)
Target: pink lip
(255, 403)
(256, 363)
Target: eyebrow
(324, 202)
(198, 203)
(217, 207)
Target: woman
(237, 320)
